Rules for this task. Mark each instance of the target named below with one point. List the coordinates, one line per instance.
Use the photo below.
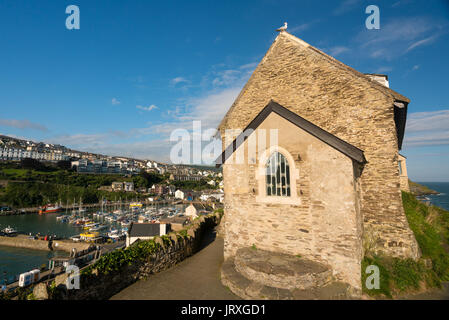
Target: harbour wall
(23, 241)
(97, 285)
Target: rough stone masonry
(341, 207)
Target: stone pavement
(433, 294)
(196, 278)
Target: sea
(14, 261)
(439, 200)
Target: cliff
(419, 190)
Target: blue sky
(136, 70)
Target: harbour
(77, 228)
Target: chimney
(380, 78)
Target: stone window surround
(261, 179)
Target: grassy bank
(430, 225)
(22, 186)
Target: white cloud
(335, 51)
(399, 36)
(208, 107)
(22, 124)
(423, 121)
(149, 108)
(105, 143)
(177, 80)
(430, 139)
(383, 69)
(427, 128)
(251, 66)
(299, 28)
(115, 101)
(80, 140)
(346, 6)
(226, 78)
(422, 42)
(416, 67)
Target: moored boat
(89, 236)
(8, 231)
(116, 234)
(133, 205)
(49, 208)
(97, 228)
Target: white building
(19, 154)
(145, 231)
(179, 194)
(191, 212)
(129, 186)
(212, 196)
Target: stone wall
(403, 176)
(22, 241)
(350, 106)
(325, 224)
(102, 286)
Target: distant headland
(420, 190)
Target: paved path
(196, 278)
(433, 294)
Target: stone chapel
(311, 176)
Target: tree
(28, 163)
(64, 164)
(150, 178)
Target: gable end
(328, 138)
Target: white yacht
(8, 231)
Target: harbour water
(439, 200)
(14, 261)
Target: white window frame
(261, 178)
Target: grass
(430, 225)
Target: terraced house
(319, 178)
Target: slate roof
(328, 138)
(179, 220)
(400, 113)
(144, 230)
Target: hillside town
(13, 149)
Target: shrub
(406, 274)
(384, 280)
(431, 228)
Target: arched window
(278, 176)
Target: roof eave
(328, 138)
